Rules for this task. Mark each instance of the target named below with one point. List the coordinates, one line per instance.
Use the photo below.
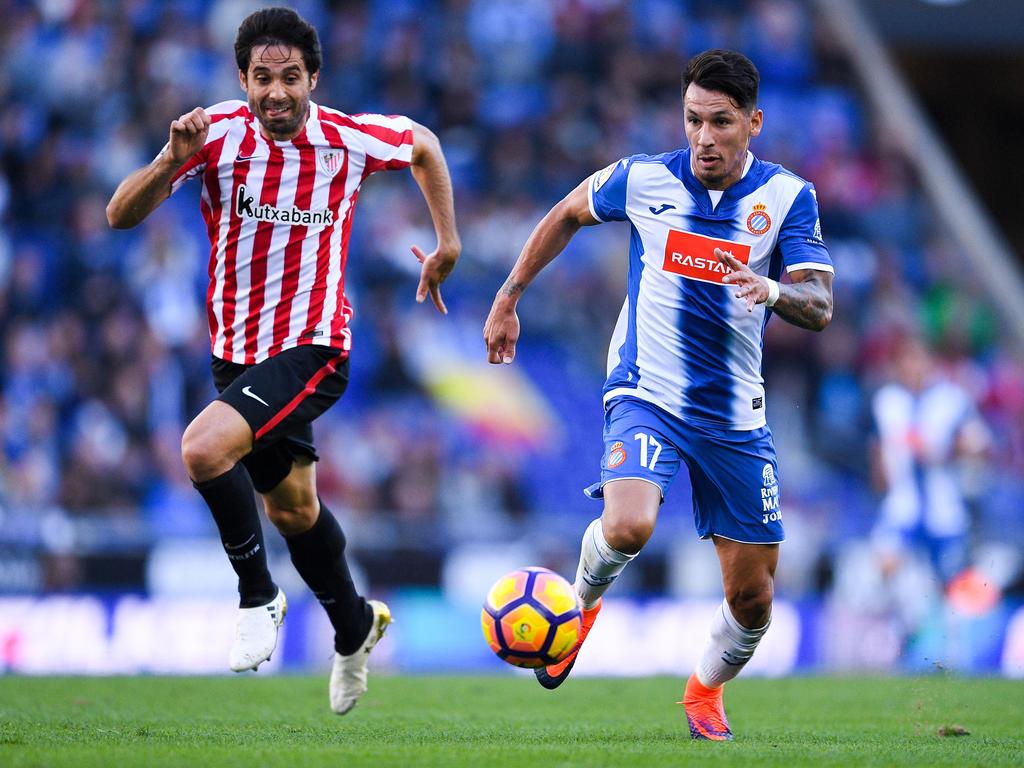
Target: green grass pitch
(503, 721)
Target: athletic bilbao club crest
(759, 222)
(330, 160)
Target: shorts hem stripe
(645, 479)
(741, 541)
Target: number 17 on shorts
(641, 454)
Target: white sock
(728, 650)
(600, 565)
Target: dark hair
(727, 72)
(277, 26)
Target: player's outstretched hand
(436, 267)
(501, 331)
(752, 287)
(188, 134)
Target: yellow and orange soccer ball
(532, 617)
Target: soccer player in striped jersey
(712, 229)
(280, 176)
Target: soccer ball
(532, 617)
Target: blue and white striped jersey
(918, 434)
(683, 341)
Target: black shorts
(279, 398)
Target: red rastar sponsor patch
(693, 256)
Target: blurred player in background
(926, 426)
(280, 178)
(712, 229)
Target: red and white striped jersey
(278, 215)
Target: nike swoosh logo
(664, 207)
(247, 391)
(240, 159)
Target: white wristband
(773, 293)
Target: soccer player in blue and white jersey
(713, 228)
(925, 426)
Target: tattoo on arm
(512, 288)
(807, 303)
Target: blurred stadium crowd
(105, 356)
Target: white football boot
(348, 675)
(256, 633)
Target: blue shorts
(734, 473)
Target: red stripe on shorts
(309, 389)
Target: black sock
(319, 557)
(231, 499)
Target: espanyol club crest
(616, 455)
(759, 222)
(330, 160)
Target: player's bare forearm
(547, 240)
(549, 237)
(430, 171)
(807, 301)
(141, 193)
(545, 243)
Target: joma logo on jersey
(693, 256)
(245, 205)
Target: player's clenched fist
(188, 134)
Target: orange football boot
(705, 712)
(554, 675)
